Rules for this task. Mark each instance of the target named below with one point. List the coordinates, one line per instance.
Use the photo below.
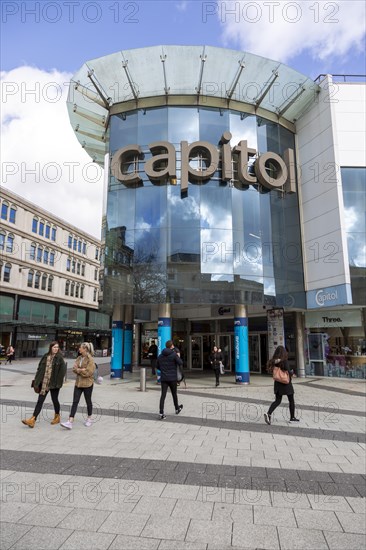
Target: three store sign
(270, 170)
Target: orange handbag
(280, 375)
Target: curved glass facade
(219, 242)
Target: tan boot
(56, 420)
(30, 422)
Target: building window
(84, 248)
(72, 289)
(95, 275)
(95, 295)
(32, 253)
(83, 270)
(41, 228)
(50, 283)
(10, 243)
(78, 268)
(77, 291)
(52, 259)
(35, 225)
(53, 234)
(4, 211)
(68, 264)
(39, 254)
(37, 279)
(96, 253)
(12, 214)
(47, 232)
(74, 244)
(73, 265)
(7, 271)
(82, 291)
(2, 240)
(67, 288)
(79, 246)
(44, 282)
(45, 257)
(30, 278)
(69, 242)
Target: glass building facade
(221, 241)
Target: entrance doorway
(258, 352)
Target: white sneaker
(67, 425)
(88, 423)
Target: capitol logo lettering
(239, 165)
(321, 297)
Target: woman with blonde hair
(49, 378)
(84, 369)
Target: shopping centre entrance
(201, 346)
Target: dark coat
(168, 362)
(215, 359)
(284, 389)
(58, 371)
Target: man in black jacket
(167, 363)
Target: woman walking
(280, 359)
(49, 378)
(215, 360)
(84, 369)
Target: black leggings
(291, 404)
(41, 400)
(217, 374)
(164, 389)
(75, 402)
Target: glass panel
(41, 228)
(7, 272)
(12, 215)
(34, 225)
(196, 353)
(47, 232)
(6, 308)
(4, 211)
(53, 234)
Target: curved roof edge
(130, 79)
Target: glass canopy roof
(156, 75)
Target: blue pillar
(127, 348)
(117, 349)
(241, 345)
(164, 329)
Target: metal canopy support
(258, 100)
(236, 79)
(133, 90)
(203, 58)
(100, 121)
(88, 93)
(166, 88)
(89, 134)
(93, 79)
(281, 110)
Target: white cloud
(281, 30)
(42, 160)
(182, 6)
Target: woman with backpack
(283, 387)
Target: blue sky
(47, 41)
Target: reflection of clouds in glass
(243, 129)
(356, 252)
(187, 209)
(217, 217)
(350, 218)
(140, 224)
(269, 287)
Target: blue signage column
(127, 339)
(127, 347)
(164, 329)
(117, 349)
(241, 340)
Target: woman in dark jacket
(215, 359)
(280, 359)
(49, 377)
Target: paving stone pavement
(213, 478)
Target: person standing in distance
(167, 363)
(153, 356)
(84, 369)
(215, 360)
(280, 359)
(50, 378)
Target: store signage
(222, 311)
(329, 296)
(276, 330)
(334, 318)
(37, 336)
(161, 168)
